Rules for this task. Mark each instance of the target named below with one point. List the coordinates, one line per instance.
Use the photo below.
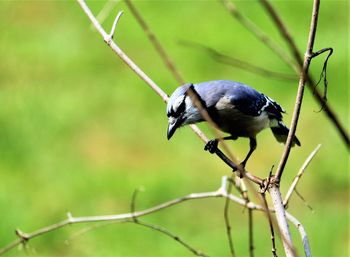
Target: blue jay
(236, 109)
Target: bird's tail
(280, 131)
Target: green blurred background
(79, 131)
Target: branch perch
(220, 193)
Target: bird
(235, 108)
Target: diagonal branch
(298, 57)
(226, 59)
(300, 93)
(161, 229)
(300, 173)
(296, 66)
(155, 42)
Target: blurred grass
(79, 131)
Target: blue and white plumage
(236, 109)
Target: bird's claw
(242, 164)
(211, 146)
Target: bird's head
(180, 110)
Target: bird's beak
(173, 125)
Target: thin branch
(302, 232)
(220, 193)
(225, 59)
(263, 37)
(298, 57)
(300, 94)
(105, 11)
(242, 189)
(256, 31)
(304, 201)
(323, 74)
(300, 173)
(155, 42)
(251, 237)
(111, 34)
(227, 218)
(274, 250)
(171, 235)
(161, 229)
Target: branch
(227, 218)
(302, 232)
(256, 31)
(297, 67)
(220, 193)
(298, 57)
(225, 59)
(155, 42)
(242, 189)
(161, 229)
(299, 97)
(300, 173)
(274, 250)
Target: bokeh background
(79, 131)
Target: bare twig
(222, 58)
(159, 228)
(298, 57)
(300, 94)
(274, 250)
(111, 34)
(242, 189)
(105, 11)
(251, 237)
(300, 173)
(256, 31)
(171, 235)
(227, 218)
(221, 193)
(297, 67)
(302, 232)
(304, 201)
(155, 42)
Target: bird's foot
(211, 146)
(240, 173)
